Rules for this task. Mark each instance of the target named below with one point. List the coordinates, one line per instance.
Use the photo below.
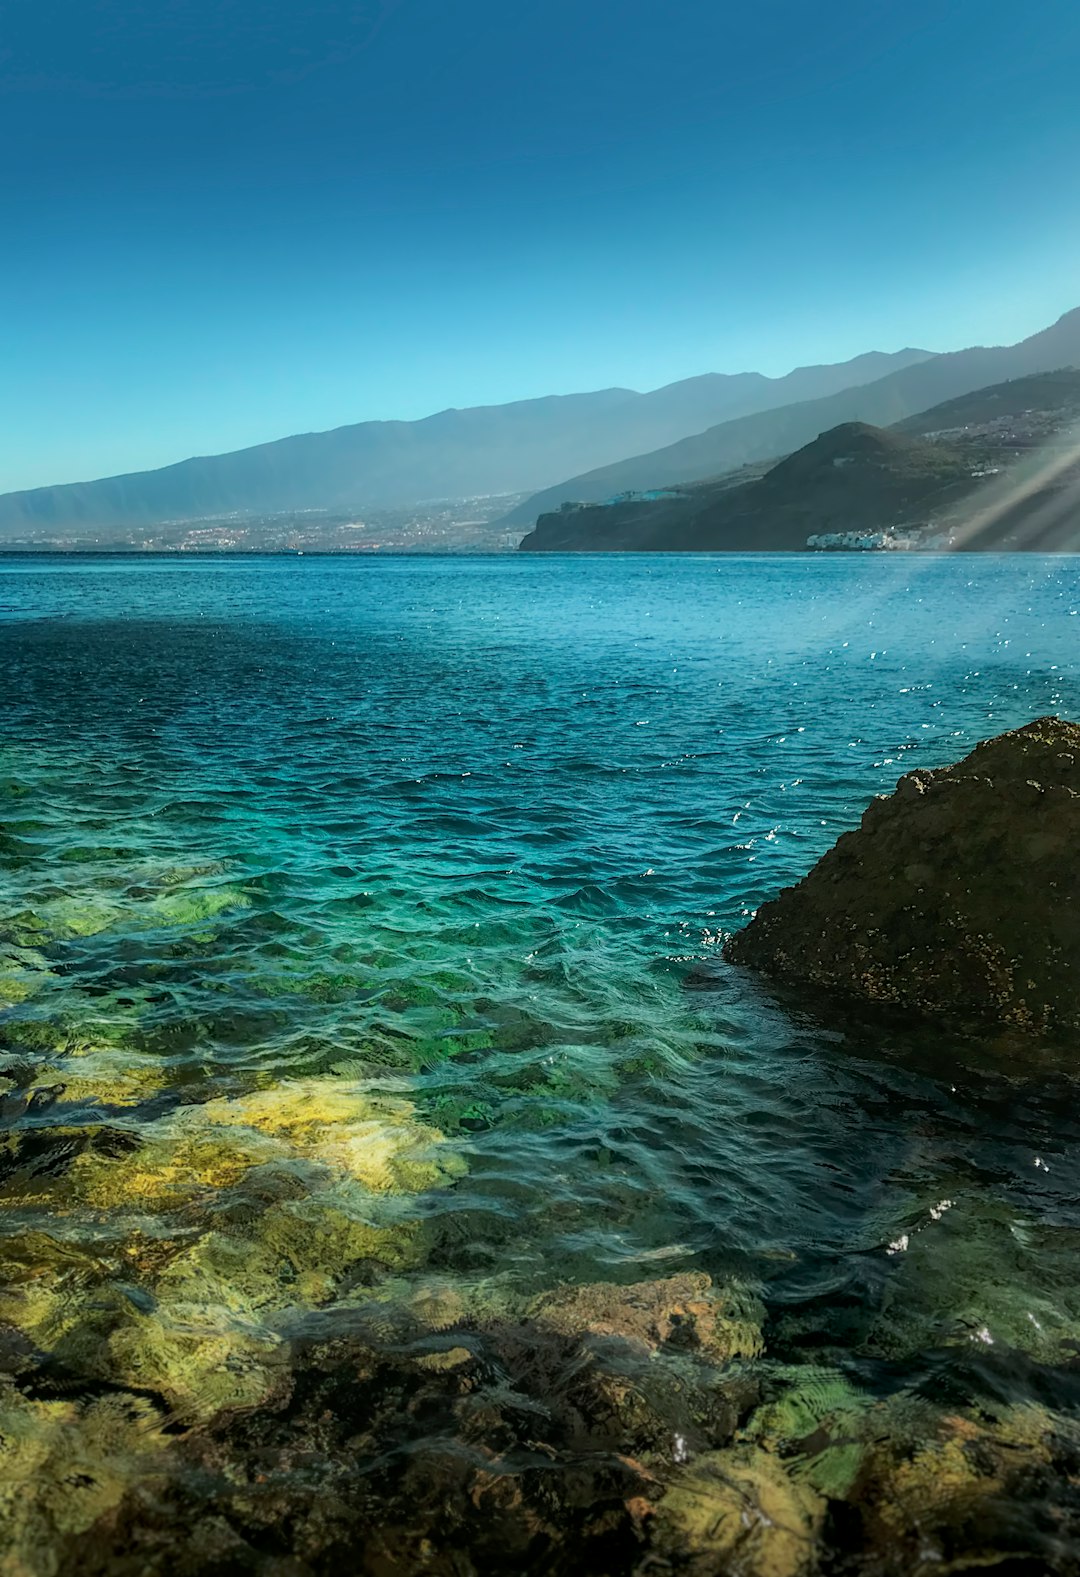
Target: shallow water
(390, 892)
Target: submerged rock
(958, 896)
(169, 1252)
(683, 1311)
(739, 1511)
(65, 1468)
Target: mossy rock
(63, 1468)
(977, 1492)
(739, 1511)
(685, 1311)
(193, 906)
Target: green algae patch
(979, 1272)
(193, 906)
(63, 1468)
(169, 874)
(820, 1424)
(77, 917)
(102, 1076)
(27, 928)
(17, 986)
(738, 1510)
(66, 919)
(375, 1139)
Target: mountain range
(770, 434)
(996, 469)
(495, 449)
(605, 442)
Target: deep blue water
(465, 835)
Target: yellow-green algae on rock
(739, 1511)
(374, 1138)
(100, 1075)
(333, 1124)
(64, 1467)
(23, 973)
(178, 1256)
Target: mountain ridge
(766, 435)
(996, 469)
(470, 451)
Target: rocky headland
(995, 470)
(956, 898)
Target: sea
(399, 884)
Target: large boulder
(958, 896)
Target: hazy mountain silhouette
(768, 434)
(995, 469)
(457, 453)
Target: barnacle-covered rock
(958, 896)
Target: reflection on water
(389, 1163)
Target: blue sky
(228, 221)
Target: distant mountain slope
(998, 468)
(853, 475)
(767, 434)
(456, 453)
(1056, 393)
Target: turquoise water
(400, 884)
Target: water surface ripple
(462, 837)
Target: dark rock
(958, 897)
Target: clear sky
(228, 220)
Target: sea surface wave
(460, 838)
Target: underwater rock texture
(957, 897)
